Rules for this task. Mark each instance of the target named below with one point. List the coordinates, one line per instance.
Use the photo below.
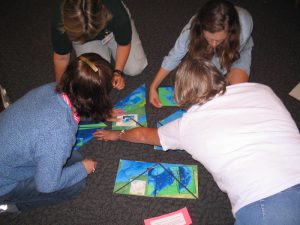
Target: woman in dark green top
(100, 26)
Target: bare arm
(237, 75)
(121, 59)
(153, 95)
(136, 135)
(60, 64)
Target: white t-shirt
(245, 138)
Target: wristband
(118, 73)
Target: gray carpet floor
(26, 62)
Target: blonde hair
(197, 81)
(82, 20)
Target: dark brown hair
(88, 87)
(215, 16)
(82, 20)
(197, 81)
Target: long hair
(82, 20)
(197, 81)
(87, 81)
(215, 16)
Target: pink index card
(180, 217)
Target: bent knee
(136, 68)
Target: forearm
(60, 64)
(136, 135)
(122, 56)
(141, 135)
(160, 76)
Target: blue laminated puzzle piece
(85, 132)
(151, 179)
(135, 99)
(134, 103)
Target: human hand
(115, 114)
(118, 82)
(107, 135)
(153, 98)
(89, 165)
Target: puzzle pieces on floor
(134, 103)
(166, 95)
(135, 99)
(85, 132)
(157, 179)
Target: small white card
(127, 120)
(296, 92)
(138, 187)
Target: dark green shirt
(120, 26)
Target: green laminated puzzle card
(85, 132)
(166, 95)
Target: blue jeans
(26, 197)
(282, 208)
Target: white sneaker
(4, 100)
(3, 208)
(9, 208)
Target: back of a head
(82, 20)
(197, 81)
(88, 81)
